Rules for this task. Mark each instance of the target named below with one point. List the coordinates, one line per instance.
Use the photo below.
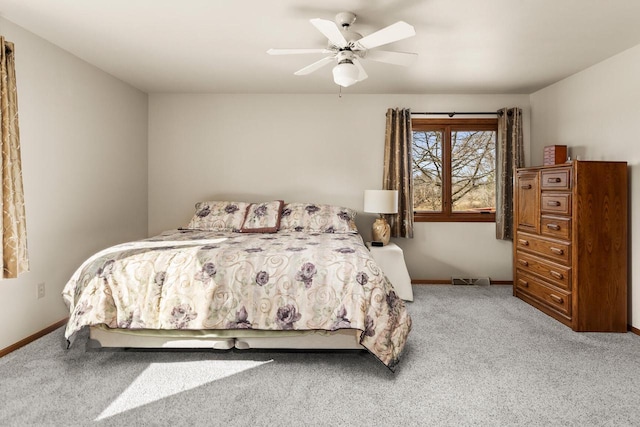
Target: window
(454, 163)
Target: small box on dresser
(570, 246)
(554, 154)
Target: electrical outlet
(40, 290)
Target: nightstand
(390, 258)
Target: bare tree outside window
(427, 170)
(473, 167)
(454, 169)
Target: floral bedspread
(186, 279)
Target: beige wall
(596, 113)
(318, 148)
(84, 156)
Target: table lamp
(381, 202)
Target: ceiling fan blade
(315, 66)
(330, 31)
(362, 74)
(296, 51)
(396, 58)
(394, 32)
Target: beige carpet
(476, 356)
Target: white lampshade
(345, 74)
(381, 201)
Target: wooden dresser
(570, 247)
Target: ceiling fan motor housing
(345, 56)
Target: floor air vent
(482, 281)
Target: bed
(242, 275)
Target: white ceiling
(464, 46)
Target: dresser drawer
(555, 227)
(559, 275)
(558, 251)
(556, 179)
(558, 203)
(555, 298)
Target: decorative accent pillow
(315, 218)
(219, 216)
(263, 217)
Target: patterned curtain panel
(14, 230)
(509, 156)
(398, 169)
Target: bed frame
(342, 339)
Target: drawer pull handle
(552, 180)
(555, 227)
(523, 283)
(556, 298)
(554, 203)
(523, 262)
(557, 275)
(557, 251)
(526, 187)
(523, 242)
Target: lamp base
(381, 231)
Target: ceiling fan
(347, 48)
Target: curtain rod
(453, 113)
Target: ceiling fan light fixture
(345, 73)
